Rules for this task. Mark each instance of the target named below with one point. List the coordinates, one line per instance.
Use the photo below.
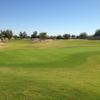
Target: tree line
(8, 34)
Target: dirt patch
(39, 40)
(1, 45)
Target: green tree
(34, 35)
(73, 36)
(0, 35)
(97, 33)
(22, 35)
(15, 37)
(43, 35)
(59, 37)
(66, 36)
(7, 34)
(83, 35)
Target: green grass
(53, 70)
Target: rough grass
(53, 70)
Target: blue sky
(52, 16)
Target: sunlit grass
(50, 70)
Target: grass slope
(53, 70)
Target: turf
(50, 70)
